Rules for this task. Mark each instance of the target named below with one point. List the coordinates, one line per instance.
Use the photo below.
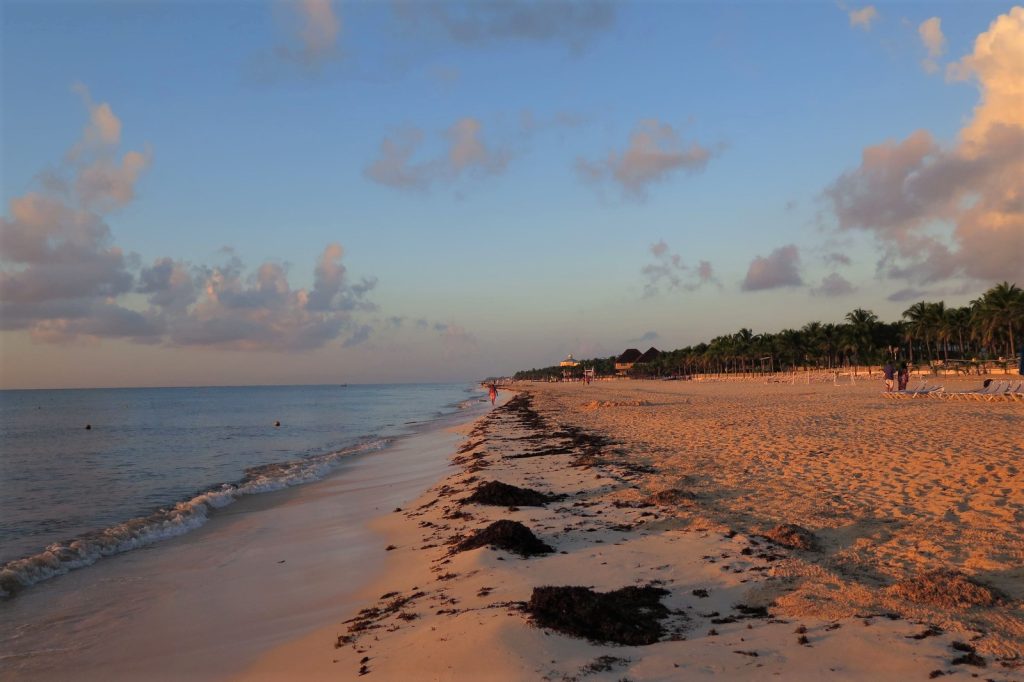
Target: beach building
(568, 365)
(649, 355)
(625, 361)
(632, 356)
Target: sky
(234, 193)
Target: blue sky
(508, 182)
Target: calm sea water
(157, 460)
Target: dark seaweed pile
(501, 494)
(511, 536)
(631, 615)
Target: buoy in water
(277, 424)
(88, 427)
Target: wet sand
(261, 572)
(908, 561)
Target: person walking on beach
(903, 377)
(492, 393)
(888, 371)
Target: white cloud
(107, 184)
(103, 128)
(466, 154)
(654, 153)
(259, 310)
(934, 42)
(779, 269)
(943, 211)
(573, 23)
(62, 278)
(668, 271)
(863, 17)
(833, 285)
(314, 33)
(60, 271)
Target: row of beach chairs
(996, 390)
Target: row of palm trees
(992, 321)
(990, 327)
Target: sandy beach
(783, 531)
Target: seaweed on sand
(793, 536)
(631, 615)
(500, 494)
(673, 497)
(946, 589)
(521, 408)
(511, 536)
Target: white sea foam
(87, 549)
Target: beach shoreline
(261, 571)
(675, 484)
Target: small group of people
(896, 377)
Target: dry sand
(914, 511)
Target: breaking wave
(168, 522)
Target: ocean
(156, 462)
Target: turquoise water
(156, 460)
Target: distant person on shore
(903, 377)
(492, 393)
(889, 372)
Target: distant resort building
(632, 356)
(625, 362)
(568, 365)
(650, 355)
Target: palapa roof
(628, 355)
(650, 354)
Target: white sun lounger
(998, 392)
(995, 388)
(1016, 392)
(1008, 391)
(922, 391)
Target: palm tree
(959, 321)
(791, 343)
(862, 325)
(917, 325)
(743, 346)
(830, 334)
(938, 326)
(812, 334)
(1002, 306)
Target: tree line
(988, 329)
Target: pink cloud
(466, 154)
(779, 269)
(669, 272)
(655, 152)
(944, 211)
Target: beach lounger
(994, 388)
(922, 391)
(1016, 392)
(894, 395)
(998, 392)
(1004, 392)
